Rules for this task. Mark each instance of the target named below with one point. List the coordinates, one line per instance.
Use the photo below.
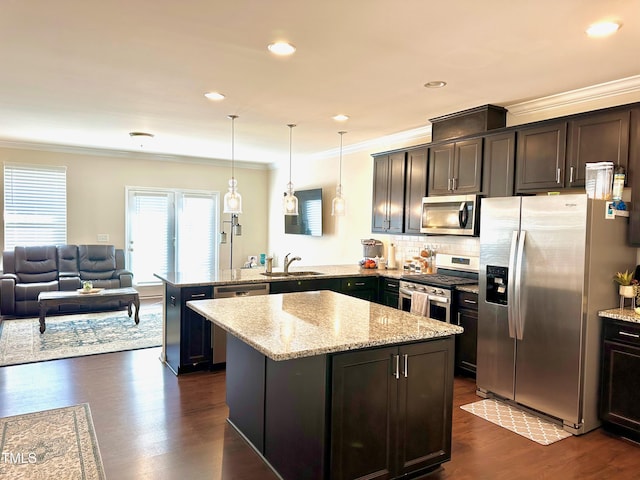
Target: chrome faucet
(288, 262)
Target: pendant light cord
(290, 125)
(340, 172)
(233, 146)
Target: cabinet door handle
(359, 284)
(198, 295)
(396, 372)
(470, 301)
(459, 318)
(172, 300)
(557, 175)
(455, 183)
(406, 365)
(626, 334)
(571, 174)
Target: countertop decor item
(338, 204)
(233, 199)
(290, 202)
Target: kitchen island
(327, 386)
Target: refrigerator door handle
(519, 317)
(512, 300)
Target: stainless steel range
(452, 271)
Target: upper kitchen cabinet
(456, 167)
(499, 164)
(634, 178)
(415, 188)
(540, 157)
(599, 137)
(388, 193)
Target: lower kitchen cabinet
(187, 334)
(288, 286)
(467, 342)
(360, 287)
(620, 378)
(391, 410)
(389, 293)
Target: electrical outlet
(103, 237)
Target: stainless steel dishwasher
(218, 335)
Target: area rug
(78, 335)
(52, 444)
(518, 421)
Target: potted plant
(627, 284)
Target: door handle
(511, 289)
(571, 174)
(470, 301)
(558, 175)
(406, 365)
(628, 334)
(449, 184)
(463, 215)
(519, 317)
(396, 372)
(458, 318)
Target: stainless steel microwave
(451, 215)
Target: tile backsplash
(408, 246)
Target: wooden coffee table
(48, 300)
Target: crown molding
(105, 152)
(580, 95)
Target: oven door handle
(436, 299)
(405, 291)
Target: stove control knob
(439, 292)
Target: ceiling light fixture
(603, 29)
(233, 199)
(281, 48)
(215, 96)
(341, 118)
(290, 201)
(141, 139)
(338, 204)
(435, 84)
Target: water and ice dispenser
(497, 282)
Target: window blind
(35, 205)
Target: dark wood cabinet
(599, 137)
(388, 193)
(415, 188)
(287, 286)
(389, 291)
(456, 167)
(498, 167)
(360, 287)
(187, 334)
(540, 157)
(391, 410)
(466, 316)
(620, 378)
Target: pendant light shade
(233, 199)
(290, 201)
(338, 203)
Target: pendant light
(338, 204)
(233, 199)
(290, 202)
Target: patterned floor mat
(518, 421)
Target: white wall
(96, 193)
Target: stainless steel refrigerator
(546, 269)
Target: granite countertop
(626, 314)
(294, 325)
(469, 288)
(254, 275)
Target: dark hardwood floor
(151, 424)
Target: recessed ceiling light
(214, 96)
(341, 118)
(141, 139)
(603, 29)
(281, 48)
(435, 84)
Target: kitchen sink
(290, 274)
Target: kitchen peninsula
(324, 385)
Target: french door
(171, 231)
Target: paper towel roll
(391, 257)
